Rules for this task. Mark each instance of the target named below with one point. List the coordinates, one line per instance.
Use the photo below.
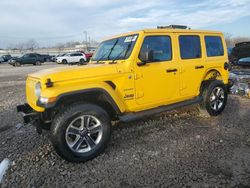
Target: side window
(160, 46)
(190, 47)
(214, 46)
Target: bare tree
(60, 46)
(229, 39)
(31, 45)
(20, 46)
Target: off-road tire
(206, 92)
(63, 120)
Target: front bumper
(30, 116)
(11, 62)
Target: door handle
(171, 70)
(199, 67)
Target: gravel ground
(176, 149)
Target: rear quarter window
(214, 46)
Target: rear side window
(190, 47)
(160, 46)
(214, 46)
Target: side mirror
(146, 57)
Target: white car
(72, 58)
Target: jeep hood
(74, 72)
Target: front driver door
(157, 82)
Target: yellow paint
(137, 87)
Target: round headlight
(38, 89)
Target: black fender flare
(108, 97)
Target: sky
(50, 22)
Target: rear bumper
(29, 115)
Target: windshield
(115, 49)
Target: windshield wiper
(98, 61)
(111, 50)
(125, 50)
(108, 53)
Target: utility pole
(86, 36)
(86, 39)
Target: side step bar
(139, 115)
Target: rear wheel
(80, 132)
(81, 61)
(38, 63)
(214, 97)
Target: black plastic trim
(111, 84)
(27, 112)
(108, 97)
(139, 115)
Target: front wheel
(17, 64)
(214, 95)
(80, 132)
(64, 61)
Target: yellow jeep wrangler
(131, 76)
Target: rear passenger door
(191, 60)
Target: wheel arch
(98, 96)
(212, 74)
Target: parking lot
(175, 149)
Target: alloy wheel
(217, 98)
(84, 133)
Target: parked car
(240, 51)
(72, 58)
(53, 58)
(131, 76)
(6, 57)
(1, 60)
(46, 57)
(243, 61)
(87, 54)
(30, 58)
